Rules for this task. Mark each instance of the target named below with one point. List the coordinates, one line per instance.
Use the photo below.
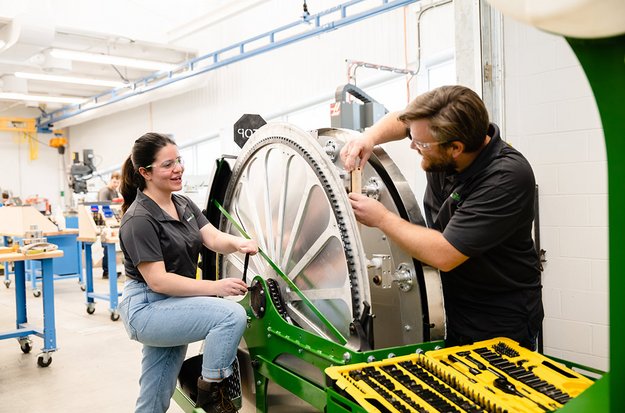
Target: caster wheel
(114, 316)
(26, 345)
(44, 360)
(7, 283)
(37, 293)
(82, 287)
(90, 309)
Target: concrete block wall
(552, 117)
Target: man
(479, 207)
(107, 194)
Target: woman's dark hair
(143, 154)
(455, 113)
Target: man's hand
(360, 148)
(229, 286)
(368, 211)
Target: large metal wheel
(287, 195)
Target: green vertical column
(603, 61)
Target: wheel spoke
(311, 253)
(320, 294)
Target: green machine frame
(603, 61)
(270, 335)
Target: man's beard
(447, 164)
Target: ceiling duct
(13, 84)
(56, 65)
(24, 37)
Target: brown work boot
(213, 398)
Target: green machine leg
(261, 391)
(603, 61)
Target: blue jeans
(165, 325)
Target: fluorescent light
(39, 98)
(70, 79)
(113, 60)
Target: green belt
(286, 279)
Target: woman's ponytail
(129, 184)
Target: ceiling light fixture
(40, 98)
(70, 79)
(112, 60)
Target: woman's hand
(247, 246)
(229, 286)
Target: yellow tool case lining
(494, 375)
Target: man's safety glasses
(427, 145)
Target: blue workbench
(66, 267)
(23, 329)
(113, 296)
(69, 265)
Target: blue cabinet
(69, 263)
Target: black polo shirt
(149, 234)
(486, 213)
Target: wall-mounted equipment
(353, 114)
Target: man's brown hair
(456, 113)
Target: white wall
(551, 116)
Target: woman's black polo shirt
(149, 234)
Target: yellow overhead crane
(25, 125)
(26, 128)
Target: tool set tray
(494, 375)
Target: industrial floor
(96, 366)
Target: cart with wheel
(23, 329)
(113, 295)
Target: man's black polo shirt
(149, 234)
(486, 213)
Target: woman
(163, 306)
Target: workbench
(113, 295)
(66, 267)
(23, 329)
